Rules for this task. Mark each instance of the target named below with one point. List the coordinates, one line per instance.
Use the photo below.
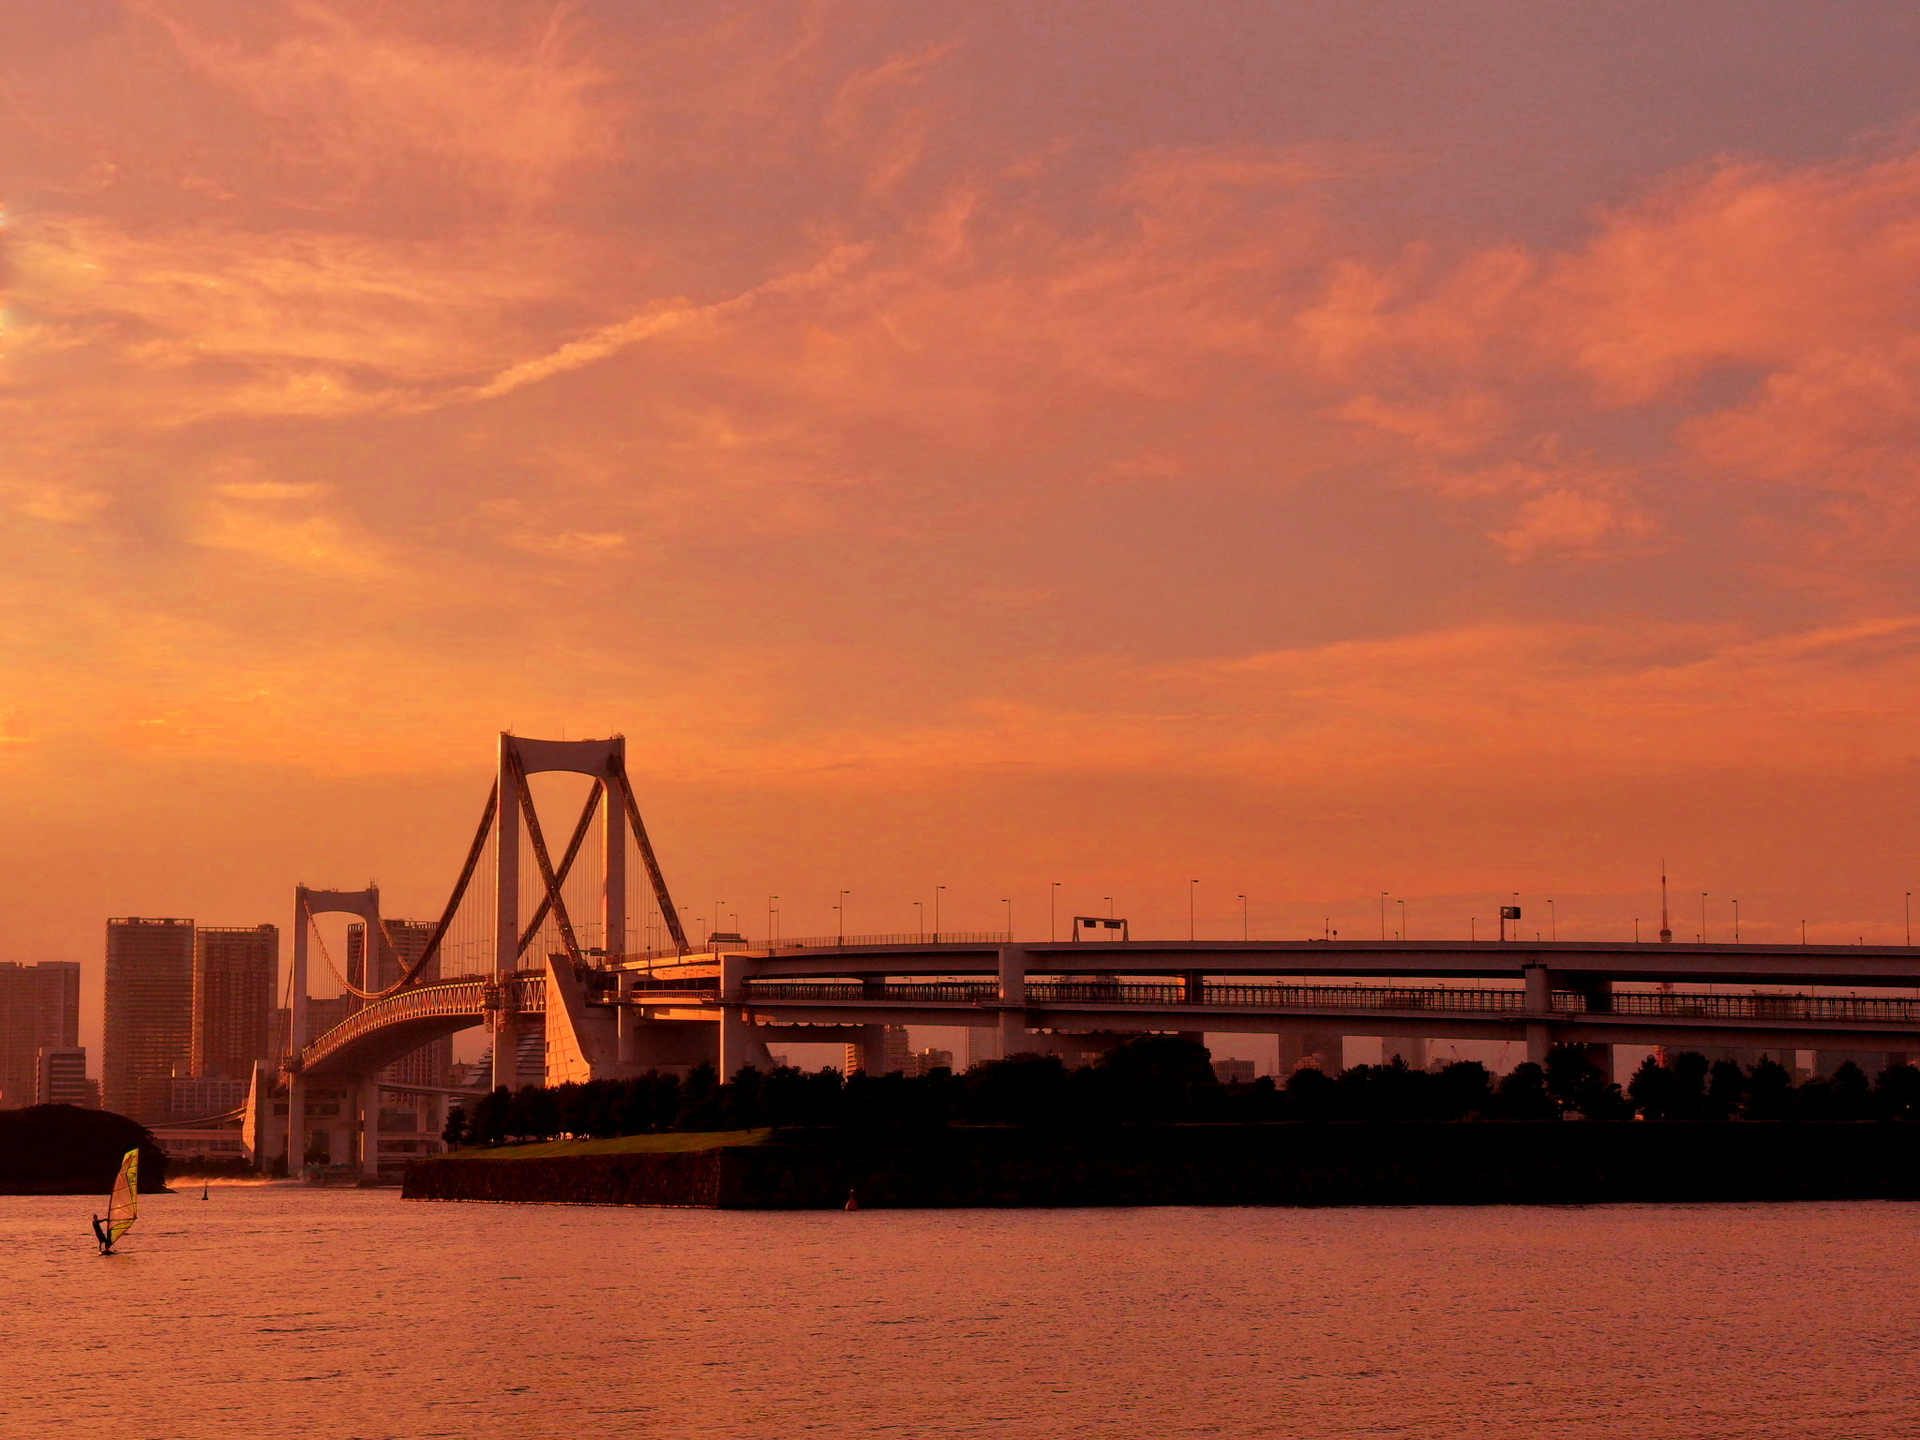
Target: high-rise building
(62, 1078)
(405, 941)
(234, 969)
(149, 1013)
(39, 1008)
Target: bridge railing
(925, 937)
(1439, 999)
(458, 997)
(1125, 992)
(469, 996)
(1696, 1006)
(957, 992)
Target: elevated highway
(622, 1015)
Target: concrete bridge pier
(296, 1122)
(1541, 1030)
(366, 1094)
(506, 1049)
(1539, 1042)
(1012, 1025)
(742, 1042)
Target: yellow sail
(124, 1206)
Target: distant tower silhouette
(1666, 935)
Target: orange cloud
(751, 382)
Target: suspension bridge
(577, 956)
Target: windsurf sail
(123, 1206)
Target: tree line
(1161, 1079)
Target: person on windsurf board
(123, 1205)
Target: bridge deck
(1214, 986)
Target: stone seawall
(1352, 1164)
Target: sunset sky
(1318, 449)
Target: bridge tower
(361, 1111)
(579, 1043)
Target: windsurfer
(100, 1234)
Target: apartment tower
(234, 968)
(149, 1013)
(39, 1009)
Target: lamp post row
(1246, 924)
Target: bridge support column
(1539, 1042)
(296, 1123)
(1013, 993)
(1539, 1003)
(367, 1097)
(506, 1051)
(740, 1041)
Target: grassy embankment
(668, 1143)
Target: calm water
(278, 1310)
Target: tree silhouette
(1523, 1095)
(1896, 1092)
(1688, 1098)
(1726, 1089)
(1769, 1094)
(1650, 1091)
(1312, 1095)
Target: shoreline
(1302, 1164)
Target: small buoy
(853, 1201)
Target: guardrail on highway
(928, 937)
(1348, 997)
(1683, 1006)
(1121, 992)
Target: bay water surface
(281, 1310)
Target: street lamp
(1736, 922)
(936, 912)
(1383, 914)
(841, 910)
(1246, 932)
(1053, 895)
(1703, 917)
(773, 922)
(1192, 885)
(1009, 905)
(920, 919)
(1553, 922)
(1403, 919)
